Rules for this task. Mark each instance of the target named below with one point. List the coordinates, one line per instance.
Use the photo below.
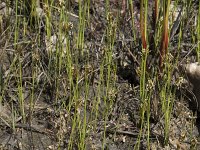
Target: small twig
(122, 132)
(33, 129)
(28, 127)
(189, 52)
(125, 133)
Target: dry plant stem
(123, 11)
(176, 24)
(165, 38)
(143, 93)
(132, 19)
(156, 11)
(143, 24)
(153, 35)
